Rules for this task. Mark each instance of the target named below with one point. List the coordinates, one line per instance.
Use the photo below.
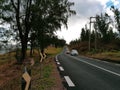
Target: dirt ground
(58, 80)
(10, 76)
(9, 73)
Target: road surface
(81, 73)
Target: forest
(104, 36)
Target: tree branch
(13, 4)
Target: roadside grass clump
(42, 79)
(45, 83)
(47, 71)
(114, 54)
(107, 55)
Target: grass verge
(108, 56)
(42, 77)
(41, 73)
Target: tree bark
(24, 48)
(31, 49)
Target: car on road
(74, 52)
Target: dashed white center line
(69, 82)
(56, 60)
(61, 68)
(58, 63)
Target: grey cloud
(87, 8)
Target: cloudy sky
(85, 9)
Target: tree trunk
(23, 51)
(31, 50)
(43, 53)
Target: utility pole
(95, 37)
(89, 45)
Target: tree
(87, 35)
(49, 18)
(117, 17)
(57, 42)
(25, 15)
(18, 14)
(112, 36)
(83, 35)
(93, 36)
(102, 23)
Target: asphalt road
(89, 74)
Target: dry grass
(6, 58)
(52, 50)
(7, 64)
(115, 56)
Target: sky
(84, 10)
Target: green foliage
(39, 17)
(83, 33)
(47, 71)
(102, 22)
(103, 37)
(49, 18)
(45, 81)
(116, 16)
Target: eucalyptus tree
(57, 42)
(50, 16)
(39, 15)
(17, 13)
(103, 22)
(83, 35)
(116, 16)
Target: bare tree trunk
(40, 55)
(24, 49)
(31, 49)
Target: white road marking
(58, 63)
(61, 68)
(69, 82)
(105, 62)
(117, 64)
(56, 58)
(97, 60)
(112, 72)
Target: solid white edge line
(58, 63)
(61, 68)
(56, 57)
(105, 62)
(117, 64)
(69, 82)
(100, 68)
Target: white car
(74, 52)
